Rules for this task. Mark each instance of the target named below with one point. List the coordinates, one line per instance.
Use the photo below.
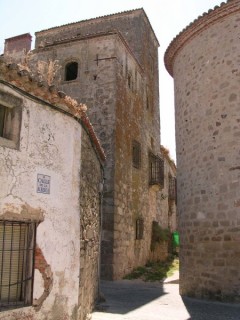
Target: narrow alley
(138, 300)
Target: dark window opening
(136, 154)
(10, 123)
(139, 229)
(2, 120)
(156, 170)
(130, 82)
(71, 71)
(17, 246)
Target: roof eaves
(197, 26)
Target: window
(10, 120)
(130, 81)
(139, 229)
(136, 154)
(71, 71)
(172, 188)
(17, 245)
(156, 170)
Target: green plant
(155, 271)
(159, 234)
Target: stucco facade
(204, 62)
(44, 182)
(116, 75)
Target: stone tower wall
(204, 60)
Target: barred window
(156, 170)
(17, 245)
(139, 229)
(71, 71)
(136, 154)
(172, 188)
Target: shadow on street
(139, 300)
(125, 296)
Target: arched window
(71, 71)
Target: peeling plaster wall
(50, 144)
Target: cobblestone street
(138, 300)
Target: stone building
(111, 64)
(204, 62)
(51, 167)
(160, 250)
(169, 193)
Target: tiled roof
(19, 77)
(197, 26)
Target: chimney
(18, 43)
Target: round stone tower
(204, 60)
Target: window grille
(172, 188)
(71, 71)
(139, 229)
(17, 246)
(136, 154)
(156, 170)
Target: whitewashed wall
(50, 144)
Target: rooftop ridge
(194, 28)
(102, 17)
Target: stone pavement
(138, 300)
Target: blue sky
(168, 18)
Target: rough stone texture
(90, 204)
(207, 79)
(123, 104)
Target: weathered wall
(95, 86)
(119, 115)
(90, 203)
(133, 25)
(207, 76)
(168, 197)
(50, 144)
(134, 199)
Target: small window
(2, 120)
(156, 170)
(10, 125)
(136, 154)
(17, 245)
(130, 81)
(71, 71)
(139, 229)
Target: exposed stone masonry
(204, 61)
